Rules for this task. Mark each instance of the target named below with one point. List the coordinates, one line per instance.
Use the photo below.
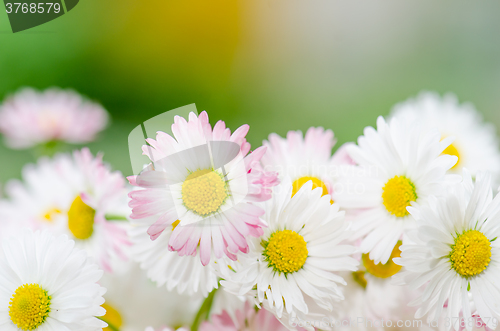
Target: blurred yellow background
(277, 65)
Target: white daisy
(454, 252)
(305, 158)
(476, 143)
(47, 284)
(291, 267)
(398, 165)
(75, 195)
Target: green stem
(204, 311)
(111, 217)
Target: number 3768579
(33, 8)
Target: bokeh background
(277, 65)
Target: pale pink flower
(206, 179)
(29, 118)
(304, 158)
(77, 195)
(245, 320)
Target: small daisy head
(48, 284)
(30, 118)
(455, 251)
(398, 165)
(203, 184)
(291, 267)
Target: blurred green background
(277, 65)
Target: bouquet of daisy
(397, 230)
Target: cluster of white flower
(398, 230)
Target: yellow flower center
(112, 317)
(286, 251)
(204, 191)
(51, 214)
(81, 219)
(174, 225)
(397, 194)
(380, 270)
(359, 277)
(471, 253)
(29, 306)
(298, 183)
(452, 150)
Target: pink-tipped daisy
(75, 195)
(305, 158)
(30, 118)
(203, 182)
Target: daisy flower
(291, 267)
(476, 142)
(202, 183)
(397, 165)
(30, 118)
(48, 284)
(75, 195)
(162, 308)
(454, 253)
(305, 158)
(166, 268)
(370, 295)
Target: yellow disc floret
(81, 219)
(50, 214)
(285, 251)
(471, 253)
(29, 306)
(380, 270)
(298, 183)
(112, 317)
(359, 277)
(452, 150)
(204, 191)
(397, 194)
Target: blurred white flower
(476, 143)
(76, 195)
(133, 302)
